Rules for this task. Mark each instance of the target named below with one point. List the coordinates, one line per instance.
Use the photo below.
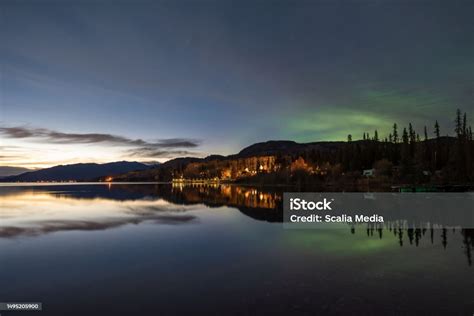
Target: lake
(159, 249)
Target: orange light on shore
(109, 179)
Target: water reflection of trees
(415, 235)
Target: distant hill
(282, 147)
(274, 147)
(6, 171)
(78, 172)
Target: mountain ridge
(8, 171)
(78, 172)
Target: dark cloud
(90, 138)
(152, 152)
(178, 142)
(19, 132)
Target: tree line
(403, 155)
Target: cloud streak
(152, 152)
(52, 136)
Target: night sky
(99, 81)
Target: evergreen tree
(395, 133)
(458, 123)
(349, 138)
(437, 133)
(464, 125)
(458, 164)
(411, 133)
(405, 137)
(376, 136)
(426, 133)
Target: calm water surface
(146, 249)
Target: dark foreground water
(216, 250)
